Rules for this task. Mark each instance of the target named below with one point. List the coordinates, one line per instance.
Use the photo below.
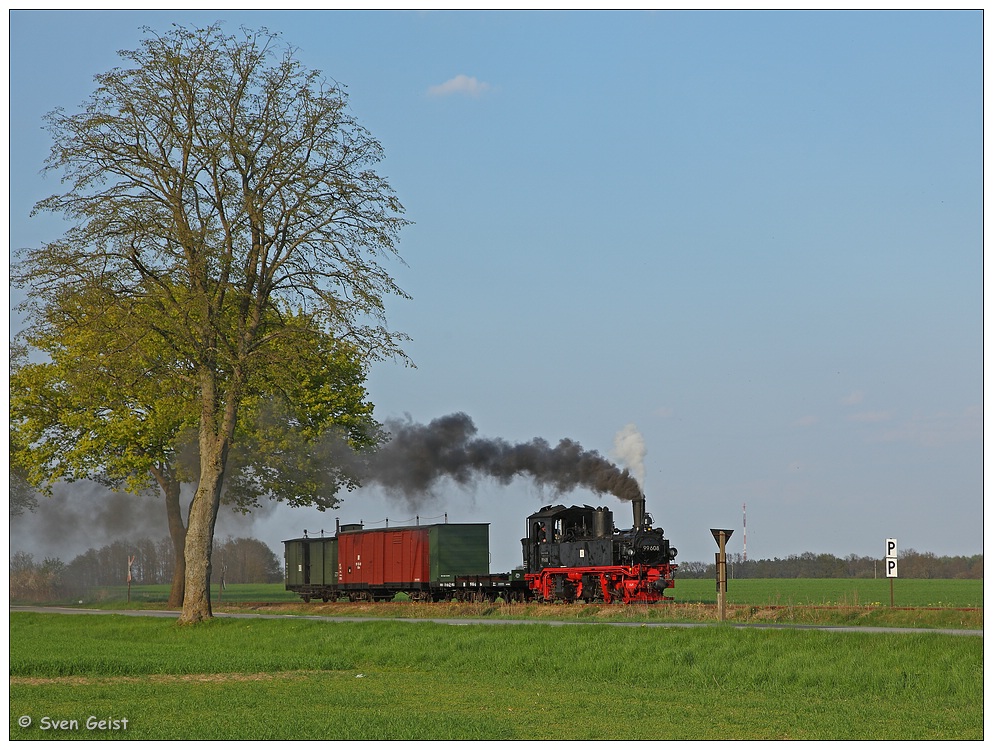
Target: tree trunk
(199, 546)
(216, 432)
(171, 488)
(177, 532)
(203, 513)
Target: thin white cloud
(461, 84)
(938, 429)
(853, 398)
(870, 416)
(806, 421)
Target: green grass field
(114, 596)
(918, 604)
(910, 592)
(297, 678)
(907, 592)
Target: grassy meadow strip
(304, 679)
(113, 596)
(918, 604)
(909, 592)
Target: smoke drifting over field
(408, 468)
(418, 456)
(85, 515)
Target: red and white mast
(744, 535)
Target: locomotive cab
(561, 536)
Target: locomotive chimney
(638, 508)
(603, 523)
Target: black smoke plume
(417, 456)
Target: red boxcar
(384, 557)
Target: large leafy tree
(126, 418)
(305, 432)
(102, 400)
(215, 182)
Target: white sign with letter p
(891, 558)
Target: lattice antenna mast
(744, 535)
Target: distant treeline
(911, 564)
(241, 560)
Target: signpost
(721, 536)
(891, 567)
(130, 563)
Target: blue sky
(756, 236)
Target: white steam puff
(629, 451)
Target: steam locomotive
(569, 554)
